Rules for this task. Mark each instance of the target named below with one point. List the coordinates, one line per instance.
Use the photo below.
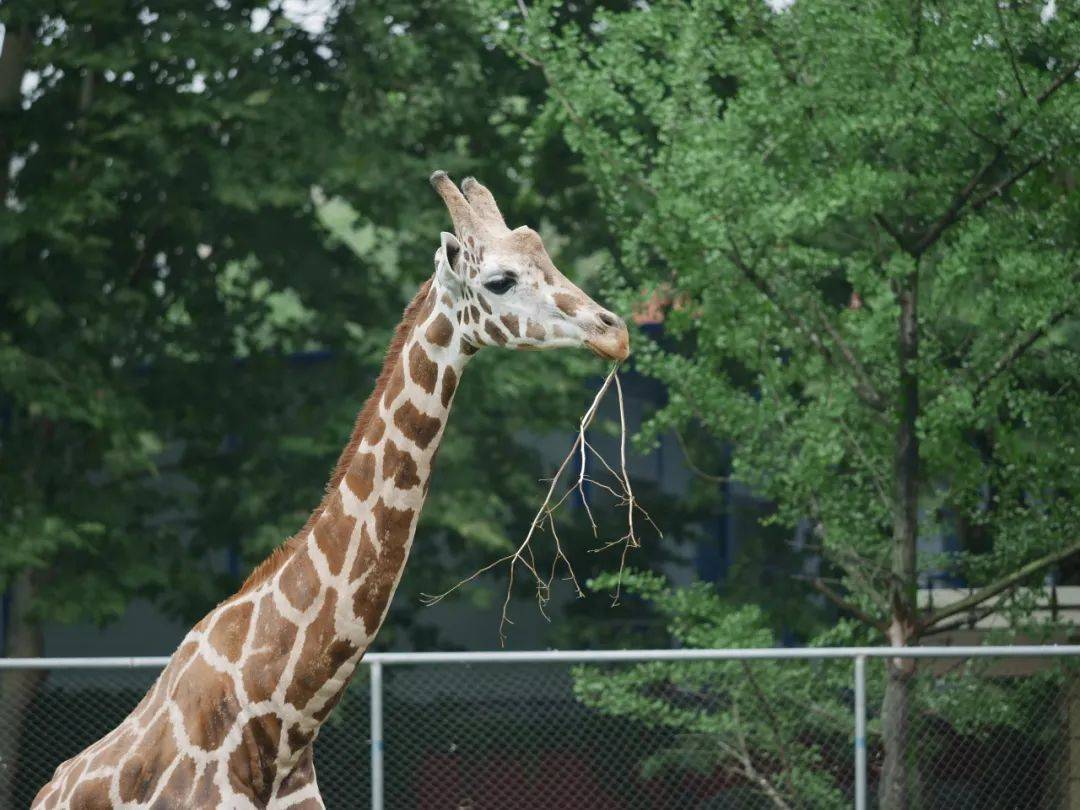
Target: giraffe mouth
(610, 347)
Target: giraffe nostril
(608, 320)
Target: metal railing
(695, 685)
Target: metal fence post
(860, 732)
(376, 736)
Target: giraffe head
(505, 289)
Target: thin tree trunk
(17, 687)
(14, 56)
(896, 782)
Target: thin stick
(545, 515)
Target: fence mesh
(982, 734)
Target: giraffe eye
(500, 285)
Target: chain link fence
(713, 730)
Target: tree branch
(1003, 584)
(1010, 51)
(891, 230)
(869, 392)
(1003, 185)
(866, 393)
(842, 603)
(971, 620)
(1019, 348)
(956, 207)
(690, 465)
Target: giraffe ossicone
(231, 721)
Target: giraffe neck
(320, 609)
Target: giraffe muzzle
(612, 340)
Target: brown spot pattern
(566, 303)
(299, 582)
(230, 630)
(332, 533)
(484, 305)
(534, 331)
(298, 777)
(495, 333)
(394, 385)
(176, 790)
(467, 348)
(140, 773)
(252, 763)
(273, 639)
(298, 739)
(208, 704)
(474, 312)
(399, 465)
(206, 792)
(328, 707)
(427, 307)
(422, 369)
(322, 654)
(416, 426)
(511, 324)
(91, 795)
(440, 331)
(365, 555)
(361, 475)
(374, 430)
(72, 776)
(112, 751)
(449, 385)
(392, 529)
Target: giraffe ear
(446, 260)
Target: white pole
(376, 736)
(860, 732)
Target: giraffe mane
(268, 567)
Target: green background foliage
(858, 224)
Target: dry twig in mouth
(545, 516)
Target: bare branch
(523, 555)
(1003, 584)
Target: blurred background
(847, 240)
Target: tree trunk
(17, 687)
(896, 781)
(13, 59)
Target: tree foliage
(863, 227)
(215, 216)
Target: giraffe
(231, 721)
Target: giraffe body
(231, 720)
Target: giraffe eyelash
(501, 284)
